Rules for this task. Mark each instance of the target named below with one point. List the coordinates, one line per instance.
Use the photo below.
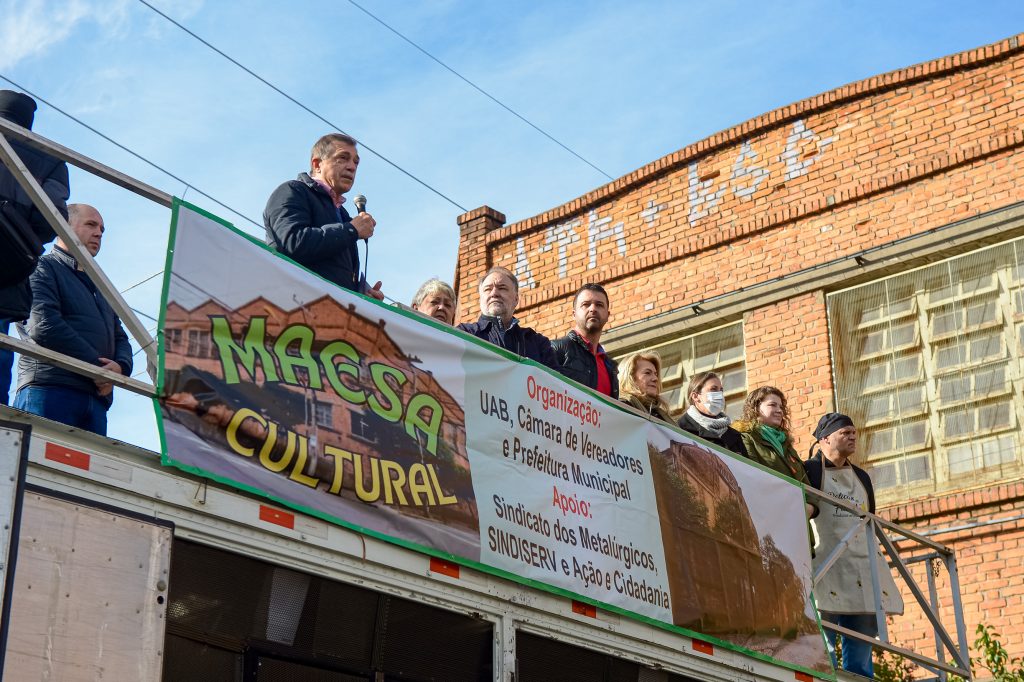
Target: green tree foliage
(994, 657)
(892, 668)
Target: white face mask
(714, 401)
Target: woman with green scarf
(765, 433)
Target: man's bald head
(87, 224)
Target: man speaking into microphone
(306, 220)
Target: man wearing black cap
(845, 594)
(52, 175)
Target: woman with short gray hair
(435, 299)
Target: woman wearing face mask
(765, 433)
(706, 417)
(640, 384)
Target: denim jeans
(6, 365)
(856, 654)
(65, 405)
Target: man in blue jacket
(52, 176)
(70, 315)
(499, 296)
(305, 219)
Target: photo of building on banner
(739, 562)
(277, 382)
(273, 384)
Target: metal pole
(888, 525)
(840, 547)
(959, 656)
(876, 585)
(85, 260)
(920, 659)
(98, 169)
(933, 595)
(71, 364)
(958, 610)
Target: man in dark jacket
(52, 176)
(579, 353)
(305, 219)
(499, 296)
(70, 316)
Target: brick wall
(861, 166)
(787, 347)
(982, 528)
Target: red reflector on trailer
(703, 647)
(444, 567)
(277, 517)
(73, 458)
(584, 609)
(804, 677)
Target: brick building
(323, 416)
(863, 250)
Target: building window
(173, 340)
(362, 429)
(926, 363)
(719, 350)
(199, 345)
(324, 416)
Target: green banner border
(176, 206)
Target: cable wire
(148, 317)
(153, 332)
(140, 283)
(307, 109)
(122, 147)
(476, 87)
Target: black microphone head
(360, 203)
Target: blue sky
(620, 83)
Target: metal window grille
(929, 365)
(719, 350)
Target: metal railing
(878, 531)
(42, 202)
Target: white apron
(846, 588)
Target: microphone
(359, 201)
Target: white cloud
(32, 28)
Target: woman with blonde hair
(706, 417)
(640, 384)
(765, 433)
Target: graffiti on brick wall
(561, 236)
(598, 229)
(704, 196)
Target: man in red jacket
(580, 354)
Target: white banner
(277, 382)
